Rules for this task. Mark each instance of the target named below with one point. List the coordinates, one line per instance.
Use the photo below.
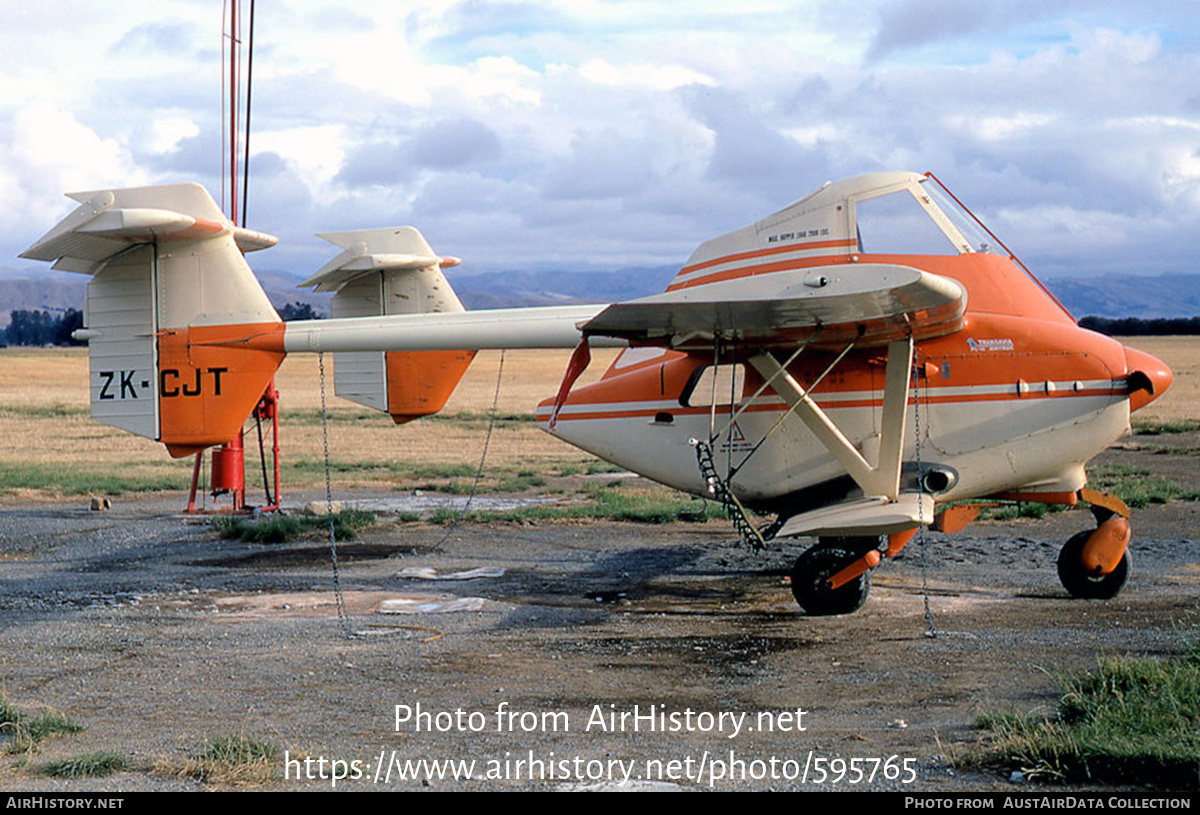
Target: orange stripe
(773, 250)
(762, 268)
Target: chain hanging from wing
(718, 488)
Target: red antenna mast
(228, 461)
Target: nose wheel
(811, 573)
(1085, 583)
(1095, 565)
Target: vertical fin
(382, 272)
(169, 283)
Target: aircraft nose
(1148, 376)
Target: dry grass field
(49, 445)
(1182, 354)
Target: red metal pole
(191, 507)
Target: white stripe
(1035, 388)
(750, 263)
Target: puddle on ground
(317, 603)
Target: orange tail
(382, 272)
(168, 280)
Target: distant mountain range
(513, 289)
(1114, 296)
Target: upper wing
(871, 302)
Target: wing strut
(882, 478)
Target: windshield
(975, 236)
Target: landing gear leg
(813, 569)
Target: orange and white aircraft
(795, 367)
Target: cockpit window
(897, 224)
(920, 220)
(714, 386)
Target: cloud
(166, 134)
(597, 133)
(453, 143)
(907, 25)
(163, 38)
(45, 148)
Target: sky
(603, 134)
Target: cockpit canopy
(894, 213)
(890, 217)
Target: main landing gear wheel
(815, 567)
(1083, 584)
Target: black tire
(1079, 582)
(814, 568)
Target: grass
(86, 480)
(1130, 719)
(376, 470)
(522, 481)
(238, 749)
(612, 503)
(600, 467)
(1162, 427)
(227, 759)
(1021, 509)
(28, 731)
(456, 479)
(88, 765)
(480, 420)
(52, 446)
(1138, 488)
(473, 420)
(279, 528)
(54, 411)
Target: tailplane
(381, 272)
(168, 282)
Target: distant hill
(1112, 296)
(502, 289)
(57, 295)
(1145, 296)
(38, 295)
(514, 289)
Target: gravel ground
(143, 626)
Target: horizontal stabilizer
(108, 222)
(382, 273)
(169, 284)
(398, 249)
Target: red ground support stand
(229, 464)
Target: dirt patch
(283, 556)
(156, 635)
